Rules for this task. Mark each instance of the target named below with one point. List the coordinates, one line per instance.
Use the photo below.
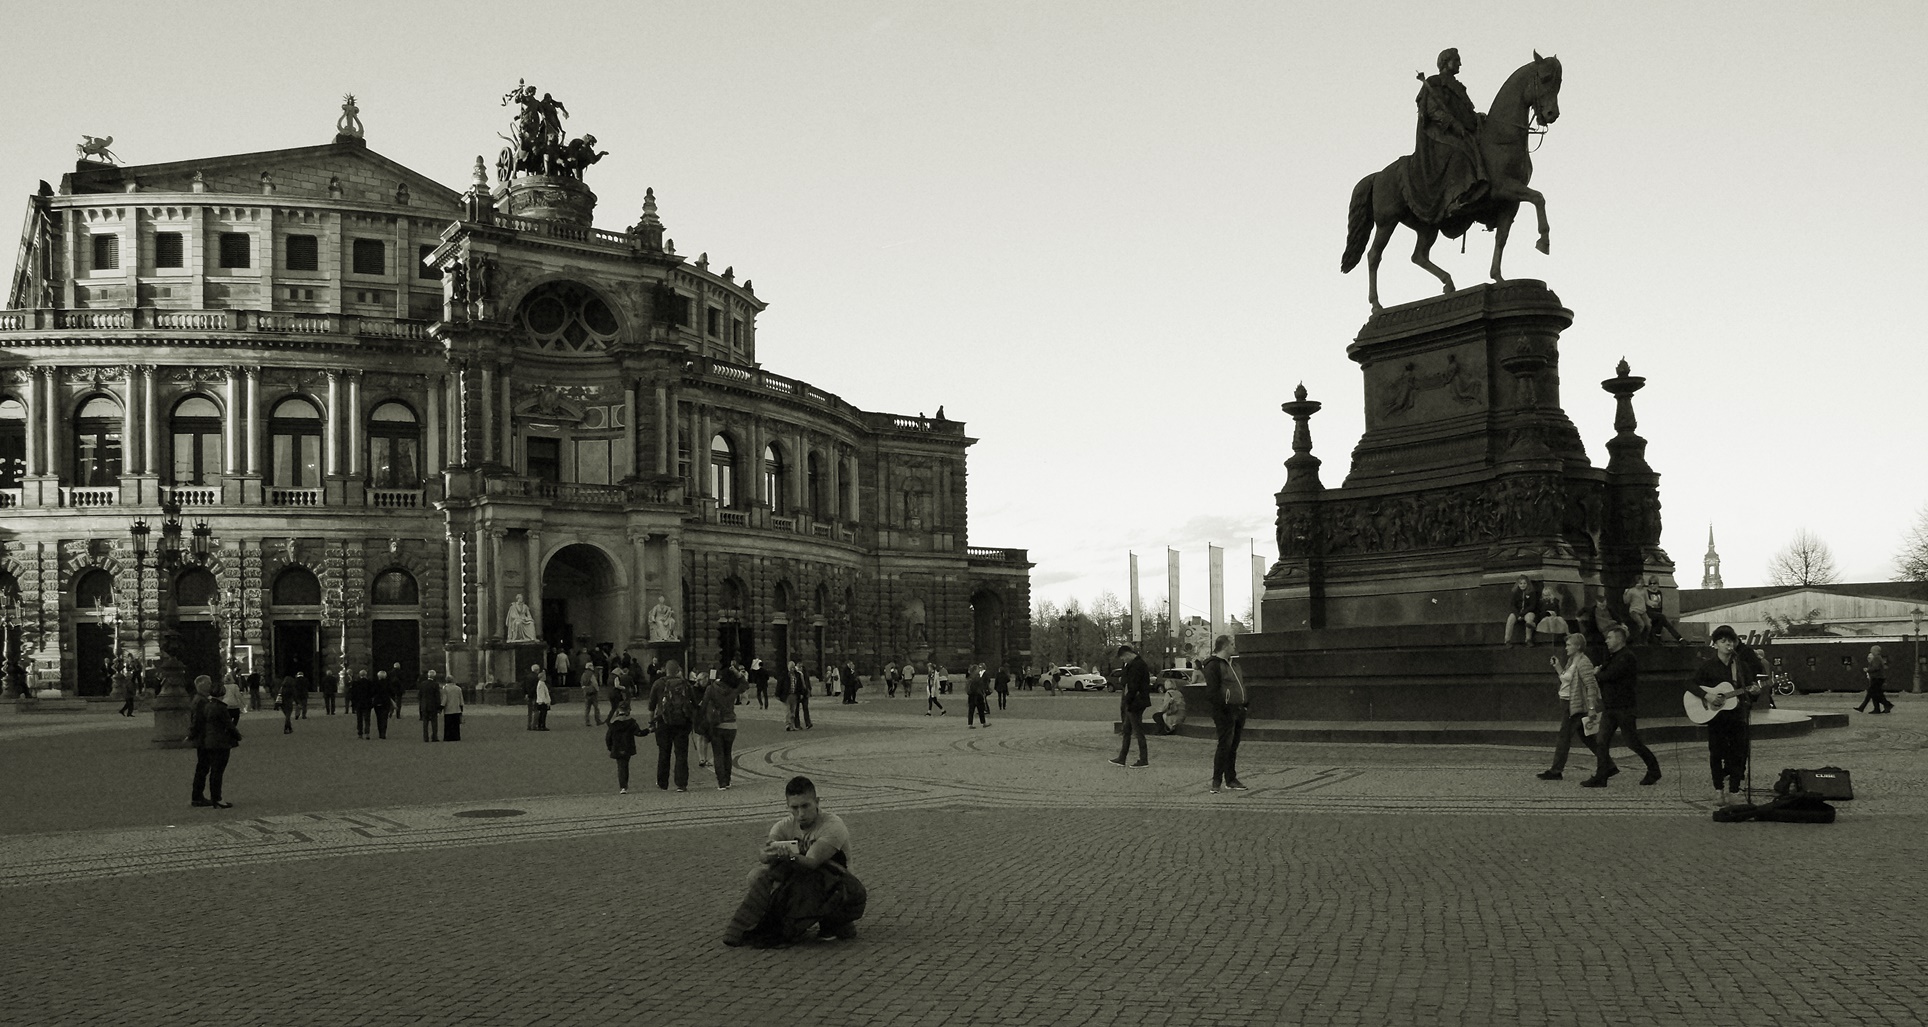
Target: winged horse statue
(96, 148)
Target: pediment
(359, 174)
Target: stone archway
(584, 600)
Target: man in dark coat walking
(1132, 704)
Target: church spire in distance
(1710, 564)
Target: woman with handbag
(1581, 693)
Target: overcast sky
(1107, 234)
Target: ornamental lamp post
(173, 701)
(140, 531)
(9, 614)
(203, 544)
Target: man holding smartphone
(804, 878)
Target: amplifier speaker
(1821, 783)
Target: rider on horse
(1446, 174)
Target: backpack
(676, 709)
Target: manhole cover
(490, 813)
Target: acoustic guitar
(1720, 698)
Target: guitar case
(1736, 814)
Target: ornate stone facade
(395, 406)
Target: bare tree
(1804, 561)
(1912, 562)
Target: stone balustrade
(222, 320)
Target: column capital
(251, 372)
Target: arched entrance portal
(987, 628)
(96, 638)
(296, 616)
(197, 633)
(583, 599)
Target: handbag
(1591, 725)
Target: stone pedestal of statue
(1390, 597)
(548, 198)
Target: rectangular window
(106, 252)
(168, 251)
(297, 461)
(391, 463)
(736, 333)
(545, 458)
(13, 453)
(99, 458)
(679, 311)
(713, 323)
(593, 460)
(371, 257)
(423, 269)
(236, 250)
(304, 253)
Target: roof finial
(349, 125)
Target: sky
(1106, 234)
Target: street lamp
(9, 619)
(140, 531)
(203, 542)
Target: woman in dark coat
(361, 699)
(620, 738)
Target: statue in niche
(521, 625)
(915, 630)
(662, 622)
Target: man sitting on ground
(804, 880)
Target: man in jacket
(213, 735)
(428, 707)
(977, 697)
(451, 709)
(382, 697)
(361, 699)
(672, 709)
(1619, 679)
(1132, 704)
(1225, 695)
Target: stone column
(488, 583)
(36, 377)
(251, 404)
(672, 582)
(230, 428)
(150, 420)
(665, 441)
(354, 424)
(432, 440)
(629, 437)
(488, 413)
(535, 580)
(457, 590)
(799, 478)
(132, 421)
(506, 453)
(331, 460)
(51, 408)
(639, 585)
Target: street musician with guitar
(1723, 692)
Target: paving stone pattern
(1015, 878)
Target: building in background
(307, 406)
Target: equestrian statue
(1465, 167)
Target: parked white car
(1078, 679)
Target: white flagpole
(1137, 622)
(1215, 558)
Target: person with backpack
(672, 711)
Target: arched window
(197, 441)
(394, 443)
(815, 487)
(395, 587)
(194, 587)
(773, 477)
(97, 443)
(13, 442)
(294, 427)
(297, 586)
(94, 588)
(568, 318)
(723, 472)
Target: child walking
(620, 738)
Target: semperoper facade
(307, 406)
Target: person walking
(124, 684)
(301, 695)
(620, 739)
(672, 710)
(451, 709)
(800, 687)
(1225, 694)
(890, 680)
(560, 665)
(1580, 691)
(285, 700)
(700, 730)
(977, 697)
(330, 683)
(1003, 686)
(213, 735)
(1876, 668)
(231, 695)
(1132, 703)
(544, 699)
(930, 693)
(361, 699)
(719, 702)
(428, 707)
(383, 699)
(1619, 679)
(397, 686)
(591, 697)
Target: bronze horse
(1379, 202)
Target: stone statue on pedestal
(521, 626)
(1465, 168)
(662, 622)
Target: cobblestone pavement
(1016, 878)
